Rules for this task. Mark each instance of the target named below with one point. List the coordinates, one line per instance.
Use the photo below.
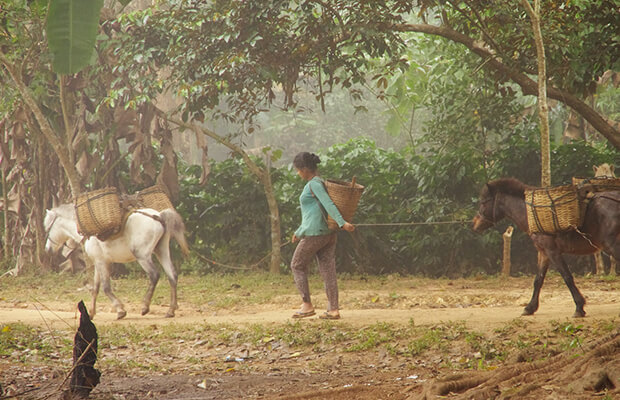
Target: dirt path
(481, 306)
(480, 318)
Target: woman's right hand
(294, 238)
(348, 227)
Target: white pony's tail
(175, 226)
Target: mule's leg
(151, 271)
(162, 251)
(543, 266)
(104, 276)
(580, 301)
(599, 263)
(612, 247)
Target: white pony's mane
(64, 210)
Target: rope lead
(414, 223)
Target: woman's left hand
(348, 227)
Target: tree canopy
(246, 54)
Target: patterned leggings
(324, 247)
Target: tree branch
(205, 131)
(528, 86)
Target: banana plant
(71, 33)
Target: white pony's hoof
(121, 314)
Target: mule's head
(487, 215)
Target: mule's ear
(594, 168)
(611, 168)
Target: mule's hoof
(170, 314)
(579, 314)
(527, 312)
(145, 310)
(121, 314)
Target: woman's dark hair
(306, 160)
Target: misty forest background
(213, 100)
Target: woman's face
(304, 173)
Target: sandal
(301, 314)
(327, 315)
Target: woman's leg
(305, 251)
(327, 268)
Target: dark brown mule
(505, 198)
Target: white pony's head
(55, 224)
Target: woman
(315, 238)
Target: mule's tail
(175, 226)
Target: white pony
(146, 231)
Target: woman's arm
(318, 189)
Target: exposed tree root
(593, 369)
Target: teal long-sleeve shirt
(313, 221)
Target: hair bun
(315, 158)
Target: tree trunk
(5, 211)
(264, 176)
(543, 108)
(274, 214)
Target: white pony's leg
(162, 251)
(151, 270)
(102, 269)
(95, 293)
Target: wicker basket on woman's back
(345, 196)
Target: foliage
(228, 218)
(468, 117)
(577, 158)
(577, 54)
(307, 127)
(71, 33)
(390, 186)
(243, 52)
